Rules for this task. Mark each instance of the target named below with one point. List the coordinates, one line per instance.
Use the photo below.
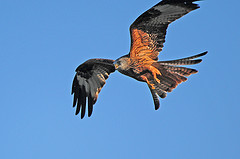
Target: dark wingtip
(90, 110)
(157, 106)
(79, 105)
(77, 111)
(156, 103)
(74, 104)
(164, 95)
(90, 106)
(197, 61)
(83, 108)
(196, 56)
(74, 100)
(82, 116)
(202, 54)
(194, 71)
(178, 1)
(74, 85)
(83, 111)
(192, 62)
(155, 98)
(89, 114)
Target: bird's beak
(115, 65)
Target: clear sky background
(43, 41)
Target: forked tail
(172, 74)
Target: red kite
(147, 37)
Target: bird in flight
(148, 33)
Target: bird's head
(121, 63)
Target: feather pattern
(155, 98)
(148, 31)
(88, 82)
(185, 61)
(171, 75)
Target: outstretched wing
(88, 82)
(148, 30)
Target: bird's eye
(119, 62)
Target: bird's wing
(155, 98)
(149, 29)
(89, 79)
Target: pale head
(122, 63)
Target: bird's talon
(158, 81)
(152, 86)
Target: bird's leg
(154, 71)
(144, 78)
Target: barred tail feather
(155, 98)
(171, 75)
(181, 70)
(185, 61)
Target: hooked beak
(116, 65)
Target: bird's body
(147, 38)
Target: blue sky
(41, 44)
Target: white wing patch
(169, 13)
